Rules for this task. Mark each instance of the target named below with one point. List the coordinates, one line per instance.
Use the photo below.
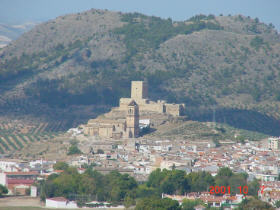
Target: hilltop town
(121, 140)
(138, 157)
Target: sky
(19, 11)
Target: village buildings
(140, 157)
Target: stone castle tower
(132, 120)
(139, 90)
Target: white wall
(3, 179)
(60, 204)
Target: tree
(73, 150)
(235, 181)
(66, 184)
(145, 191)
(216, 142)
(3, 190)
(240, 139)
(100, 151)
(156, 177)
(190, 204)
(277, 204)
(27, 191)
(60, 166)
(157, 204)
(254, 203)
(223, 176)
(253, 188)
(176, 182)
(120, 185)
(128, 201)
(200, 181)
(169, 181)
(257, 42)
(226, 177)
(224, 172)
(87, 185)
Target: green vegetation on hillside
(230, 63)
(74, 149)
(143, 33)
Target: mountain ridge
(89, 58)
(9, 32)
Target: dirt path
(20, 201)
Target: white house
(10, 165)
(60, 202)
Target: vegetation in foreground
(119, 188)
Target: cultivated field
(16, 135)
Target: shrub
(73, 150)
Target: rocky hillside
(78, 65)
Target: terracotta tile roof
(216, 199)
(20, 181)
(22, 173)
(58, 171)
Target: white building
(274, 143)
(33, 191)
(10, 165)
(60, 202)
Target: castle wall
(91, 131)
(160, 106)
(175, 109)
(139, 93)
(106, 132)
(117, 135)
(144, 105)
(152, 107)
(123, 103)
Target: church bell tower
(132, 120)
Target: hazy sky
(15, 11)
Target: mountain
(224, 68)
(12, 32)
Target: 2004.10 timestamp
(226, 190)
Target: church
(116, 129)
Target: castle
(128, 127)
(139, 93)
